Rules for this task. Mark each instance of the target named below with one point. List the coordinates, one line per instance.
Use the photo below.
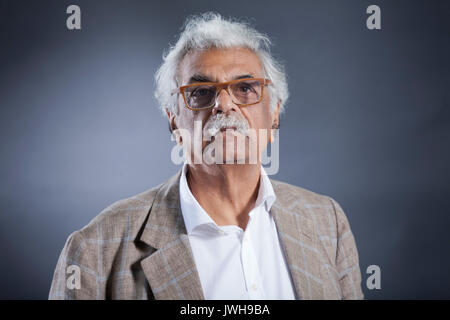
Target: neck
(227, 192)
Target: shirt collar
(194, 215)
(266, 195)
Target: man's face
(221, 65)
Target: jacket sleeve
(347, 261)
(75, 276)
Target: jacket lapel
(170, 270)
(298, 240)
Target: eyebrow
(202, 78)
(199, 78)
(243, 76)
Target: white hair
(210, 30)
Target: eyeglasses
(243, 92)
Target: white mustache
(220, 121)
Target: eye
(200, 92)
(245, 88)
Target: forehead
(219, 64)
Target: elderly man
(217, 229)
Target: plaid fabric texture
(138, 248)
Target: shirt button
(254, 287)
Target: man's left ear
(275, 121)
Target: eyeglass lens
(242, 92)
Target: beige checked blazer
(138, 248)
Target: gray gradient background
(368, 123)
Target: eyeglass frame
(219, 86)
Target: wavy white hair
(211, 30)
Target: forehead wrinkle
(198, 77)
(194, 64)
(235, 72)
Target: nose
(224, 103)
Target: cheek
(183, 120)
(188, 119)
(259, 118)
(266, 112)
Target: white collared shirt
(233, 263)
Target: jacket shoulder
(118, 223)
(291, 194)
(324, 212)
(122, 218)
